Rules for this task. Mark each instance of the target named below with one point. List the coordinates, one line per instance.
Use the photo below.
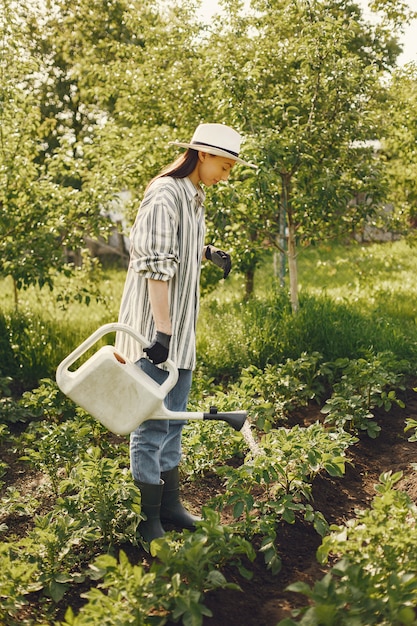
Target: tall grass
(49, 325)
(353, 299)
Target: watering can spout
(235, 419)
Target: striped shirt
(166, 243)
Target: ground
(264, 600)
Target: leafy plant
(374, 580)
(56, 445)
(47, 401)
(52, 544)
(14, 503)
(18, 578)
(55, 449)
(410, 424)
(283, 387)
(364, 385)
(172, 588)
(201, 451)
(276, 484)
(102, 494)
(10, 409)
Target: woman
(161, 300)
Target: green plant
(276, 484)
(283, 387)
(186, 566)
(45, 560)
(54, 446)
(201, 451)
(10, 409)
(52, 544)
(47, 401)
(374, 580)
(102, 494)
(411, 424)
(14, 503)
(364, 384)
(18, 579)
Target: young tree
(29, 198)
(304, 79)
(399, 147)
(90, 90)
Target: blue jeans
(155, 446)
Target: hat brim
(211, 150)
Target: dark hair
(181, 167)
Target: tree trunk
(291, 241)
(283, 232)
(15, 294)
(292, 268)
(249, 283)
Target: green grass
(374, 275)
(353, 299)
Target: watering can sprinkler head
(235, 419)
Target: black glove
(219, 258)
(159, 348)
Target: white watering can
(118, 393)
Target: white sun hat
(217, 139)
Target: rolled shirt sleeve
(154, 239)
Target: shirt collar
(194, 192)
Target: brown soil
(264, 600)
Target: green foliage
(101, 494)
(56, 448)
(74, 133)
(275, 484)
(232, 336)
(10, 410)
(185, 567)
(411, 424)
(18, 578)
(401, 172)
(374, 580)
(8, 365)
(33, 340)
(364, 384)
(284, 387)
(45, 560)
(272, 364)
(271, 394)
(201, 451)
(48, 401)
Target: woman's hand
(220, 258)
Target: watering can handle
(62, 369)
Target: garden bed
(264, 599)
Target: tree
(82, 119)
(304, 79)
(29, 198)
(92, 90)
(399, 147)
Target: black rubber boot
(151, 496)
(172, 511)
